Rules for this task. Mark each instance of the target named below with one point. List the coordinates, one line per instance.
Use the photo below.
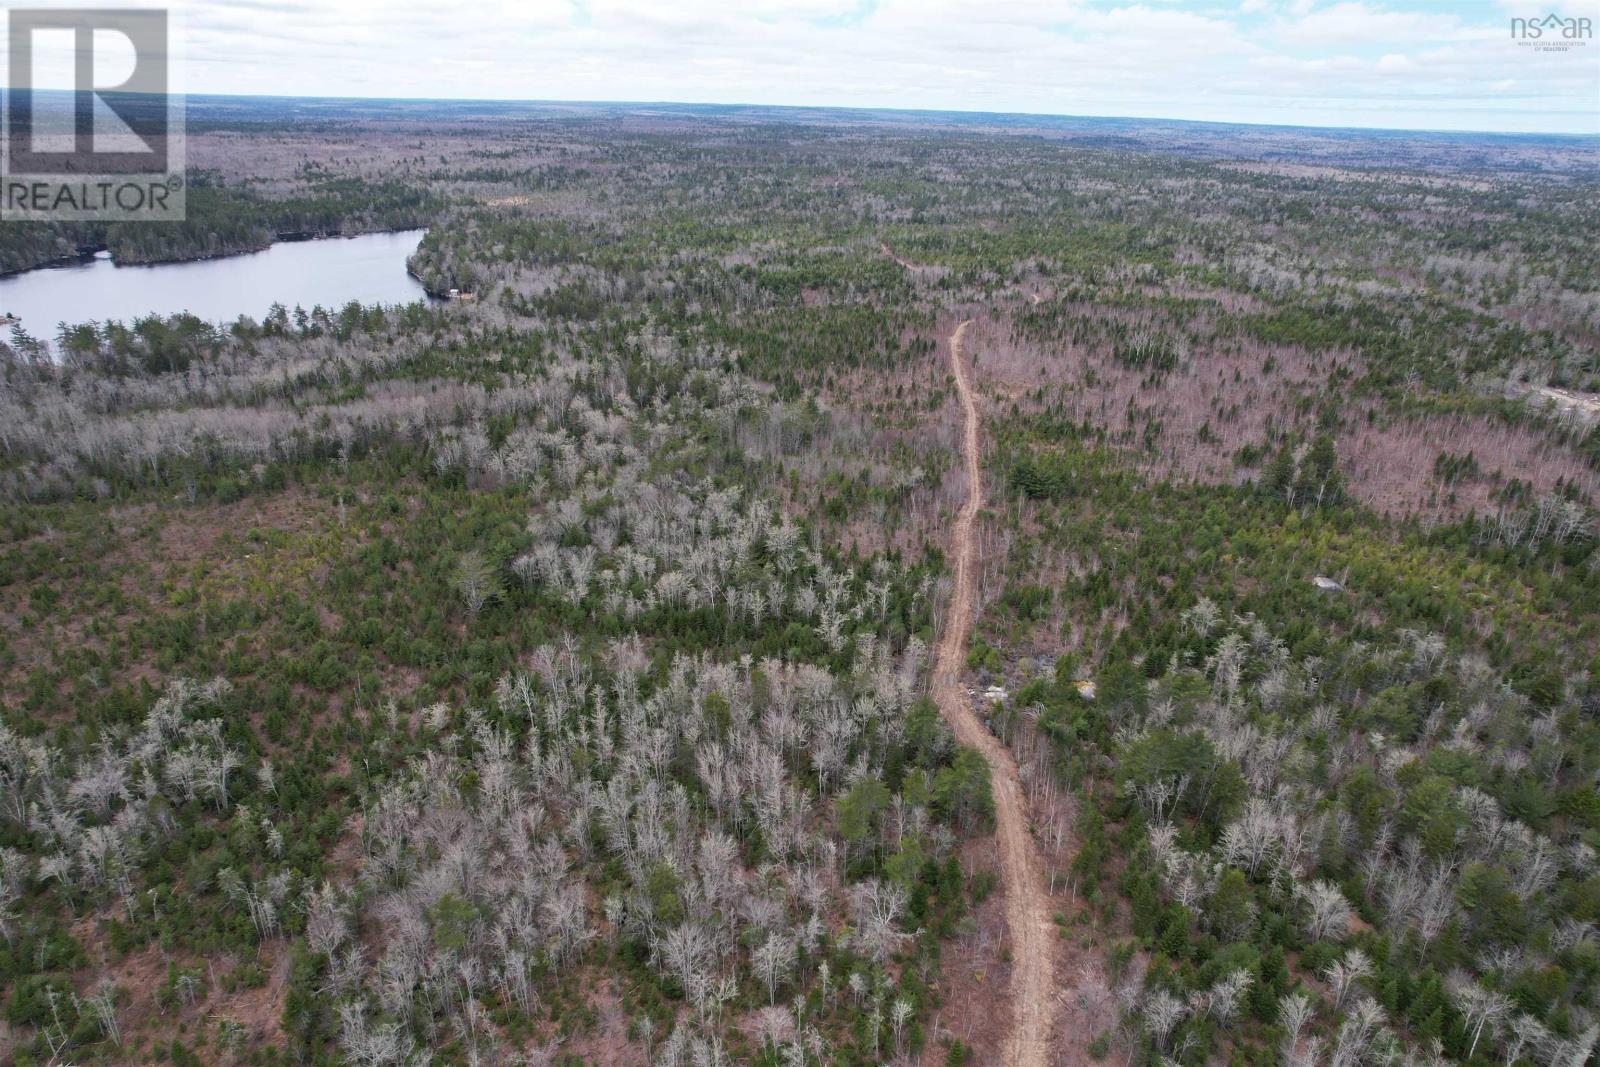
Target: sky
(1402, 64)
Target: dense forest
(224, 219)
(545, 678)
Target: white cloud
(1361, 62)
(1359, 23)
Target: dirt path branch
(886, 250)
(1027, 906)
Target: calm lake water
(331, 272)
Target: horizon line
(897, 110)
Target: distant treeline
(222, 221)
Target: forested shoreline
(221, 221)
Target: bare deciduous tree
(476, 580)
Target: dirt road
(906, 264)
(1027, 907)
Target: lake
(332, 272)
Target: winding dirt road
(1027, 907)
